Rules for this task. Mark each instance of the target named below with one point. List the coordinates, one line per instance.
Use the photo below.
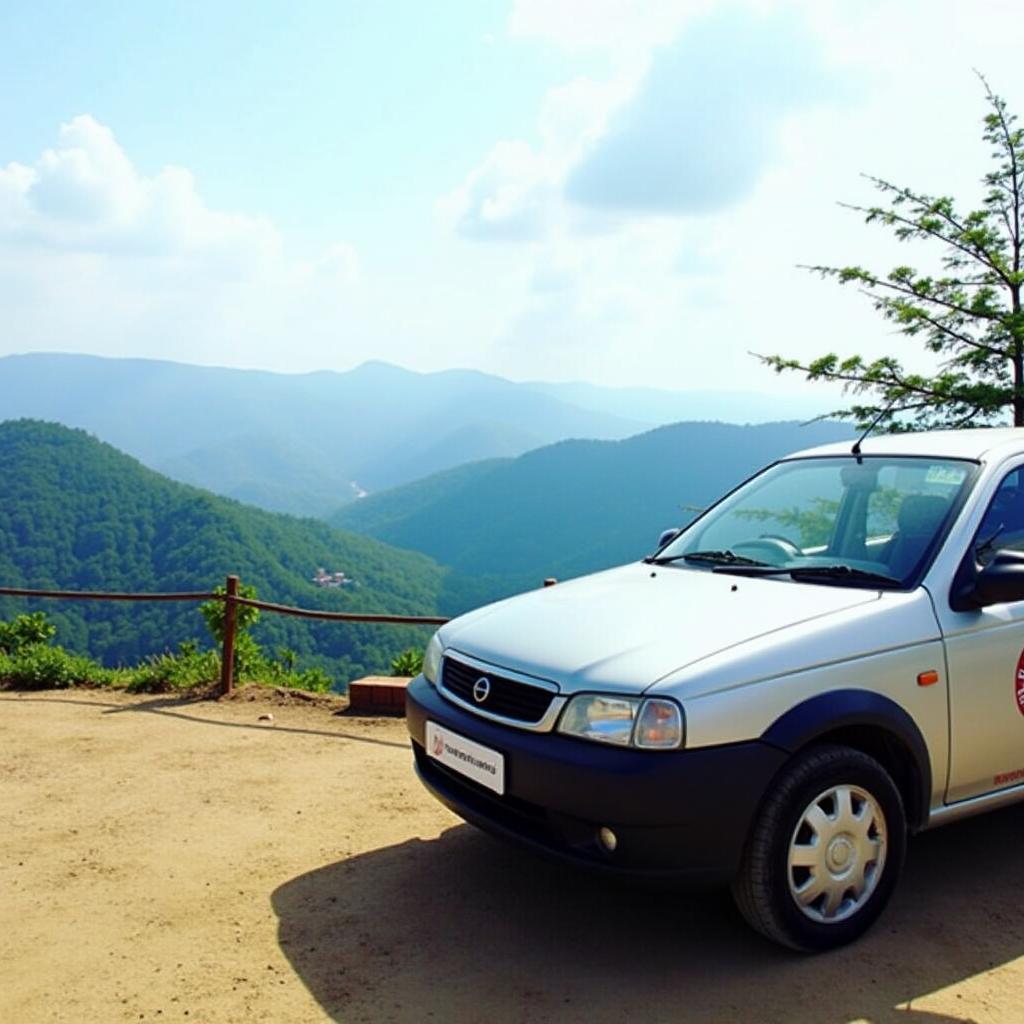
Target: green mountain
(308, 443)
(572, 507)
(299, 443)
(76, 513)
(276, 473)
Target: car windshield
(868, 522)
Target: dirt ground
(169, 861)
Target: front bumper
(679, 813)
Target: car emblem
(481, 689)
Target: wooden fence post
(227, 652)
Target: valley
(309, 443)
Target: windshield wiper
(832, 573)
(722, 558)
(841, 572)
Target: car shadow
(462, 929)
(169, 707)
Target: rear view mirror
(667, 536)
(860, 477)
(1000, 582)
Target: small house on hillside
(323, 578)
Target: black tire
(773, 894)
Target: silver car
(825, 661)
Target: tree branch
(850, 378)
(1014, 170)
(978, 253)
(872, 280)
(964, 339)
(969, 418)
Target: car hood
(627, 628)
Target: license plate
(475, 761)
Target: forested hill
(78, 514)
(299, 443)
(572, 507)
(307, 443)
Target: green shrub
(27, 661)
(408, 663)
(316, 680)
(40, 667)
(214, 614)
(267, 672)
(163, 673)
(25, 631)
(249, 658)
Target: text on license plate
(475, 761)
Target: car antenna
(855, 450)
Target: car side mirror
(999, 582)
(667, 536)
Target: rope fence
(231, 600)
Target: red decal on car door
(1019, 683)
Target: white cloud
(705, 120)
(515, 192)
(506, 197)
(340, 264)
(97, 256)
(685, 127)
(86, 195)
(88, 180)
(608, 25)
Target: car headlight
(432, 658)
(652, 724)
(605, 719)
(660, 725)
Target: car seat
(917, 522)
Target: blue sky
(607, 190)
(315, 113)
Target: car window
(881, 515)
(1003, 524)
(798, 507)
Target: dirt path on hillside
(162, 861)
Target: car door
(985, 656)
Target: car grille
(508, 697)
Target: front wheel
(825, 852)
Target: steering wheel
(772, 544)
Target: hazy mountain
(228, 430)
(572, 507)
(78, 514)
(655, 407)
(270, 471)
(307, 443)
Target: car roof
(980, 444)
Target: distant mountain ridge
(308, 443)
(79, 514)
(574, 507)
(658, 407)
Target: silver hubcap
(837, 854)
